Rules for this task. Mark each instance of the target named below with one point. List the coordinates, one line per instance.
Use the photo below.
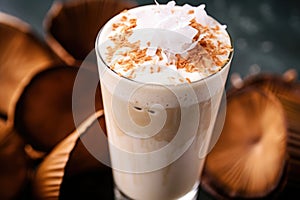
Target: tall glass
(159, 134)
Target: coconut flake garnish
(182, 38)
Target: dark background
(266, 33)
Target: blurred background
(265, 32)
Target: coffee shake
(162, 70)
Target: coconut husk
(249, 158)
(71, 27)
(23, 54)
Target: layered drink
(162, 71)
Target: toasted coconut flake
(205, 51)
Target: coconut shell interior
(249, 158)
(71, 27)
(23, 54)
(81, 159)
(44, 112)
(3, 129)
(50, 172)
(287, 91)
(86, 170)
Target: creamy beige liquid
(179, 177)
(176, 173)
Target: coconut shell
(81, 159)
(44, 111)
(86, 175)
(286, 88)
(71, 27)
(14, 163)
(249, 159)
(23, 55)
(50, 173)
(3, 129)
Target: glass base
(119, 195)
(191, 195)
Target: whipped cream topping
(166, 44)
